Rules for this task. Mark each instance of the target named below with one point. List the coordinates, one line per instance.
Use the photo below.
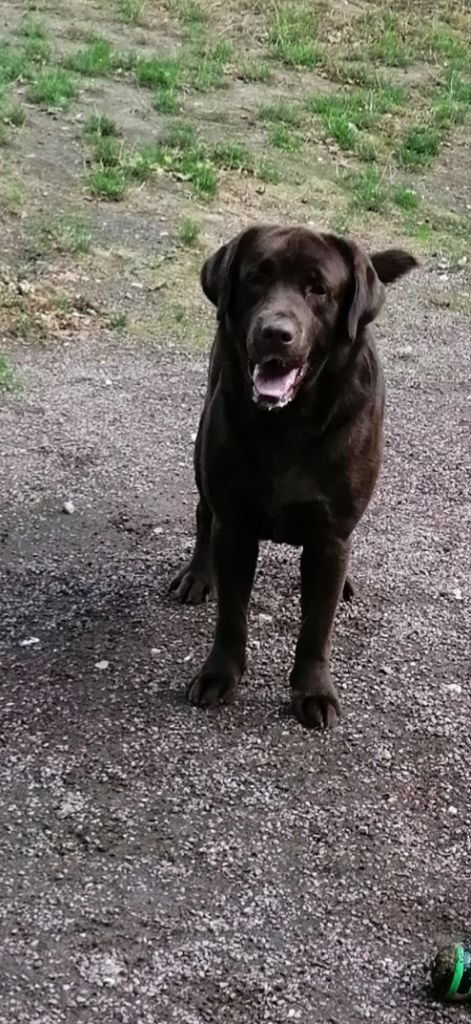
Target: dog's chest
(291, 495)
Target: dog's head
(289, 296)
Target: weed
(32, 28)
(283, 138)
(8, 378)
(405, 198)
(180, 135)
(159, 72)
(200, 172)
(108, 151)
(442, 41)
(385, 38)
(55, 89)
(13, 199)
(166, 101)
(99, 59)
(210, 67)
(268, 172)
(108, 183)
(189, 232)
(131, 11)
(365, 149)
(292, 32)
(4, 136)
(255, 71)
(188, 12)
(13, 113)
(99, 126)
(233, 156)
(284, 112)
(420, 145)
(64, 232)
(367, 190)
(12, 63)
(118, 321)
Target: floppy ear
(217, 276)
(393, 263)
(368, 292)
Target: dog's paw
(319, 710)
(191, 587)
(209, 688)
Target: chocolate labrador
(290, 439)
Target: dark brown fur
(302, 474)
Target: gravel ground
(160, 864)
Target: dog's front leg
(234, 557)
(324, 563)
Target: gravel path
(159, 864)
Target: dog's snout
(278, 332)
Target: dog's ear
(393, 263)
(368, 292)
(219, 270)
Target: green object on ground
(451, 974)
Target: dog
(290, 440)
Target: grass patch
(269, 173)
(159, 72)
(387, 38)
(445, 43)
(99, 126)
(367, 190)
(166, 101)
(118, 321)
(55, 89)
(233, 156)
(281, 137)
(32, 28)
(65, 232)
(255, 71)
(189, 232)
(108, 151)
(131, 11)
(210, 66)
(13, 198)
(188, 12)
(283, 112)
(292, 35)
(419, 146)
(405, 198)
(8, 378)
(108, 183)
(99, 59)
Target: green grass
(210, 65)
(131, 11)
(269, 173)
(367, 190)
(420, 145)
(189, 13)
(32, 28)
(12, 113)
(54, 89)
(99, 59)
(13, 198)
(292, 34)
(118, 321)
(166, 101)
(233, 156)
(445, 43)
(283, 112)
(159, 72)
(108, 183)
(385, 38)
(108, 151)
(255, 71)
(8, 378)
(65, 232)
(405, 198)
(281, 137)
(189, 232)
(98, 126)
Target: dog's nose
(278, 332)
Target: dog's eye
(316, 287)
(257, 279)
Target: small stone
(453, 811)
(158, 530)
(101, 665)
(68, 507)
(457, 594)
(155, 651)
(30, 642)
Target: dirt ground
(160, 864)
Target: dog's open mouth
(275, 382)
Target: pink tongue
(272, 383)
